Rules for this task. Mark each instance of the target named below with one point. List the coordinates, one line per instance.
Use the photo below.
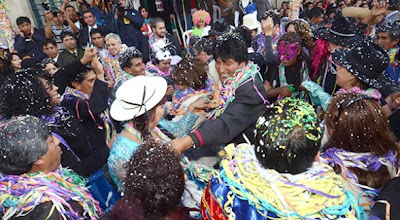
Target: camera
(45, 6)
(117, 5)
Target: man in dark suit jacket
(72, 52)
(84, 39)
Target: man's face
(25, 28)
(227, 68)
(159, 30)
(137, 69)
(98, 40)
(86, 86)
(50, 50)
(383, 39)
(71, 13)
(318, 20)
(69, 42)
(89, 19)
(59, 19)
(52, 158)
(113, 46)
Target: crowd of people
(131, 109)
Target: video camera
(117, 5)
(46, 7)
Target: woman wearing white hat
(139, 103)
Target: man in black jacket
(85, 39)
(249, 98)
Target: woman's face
(201, 24)
(51, 68)
(158, 114)
(113, 46)
(344, 77)
(52, 90)
(291, 28)
(16, 62)
(144, 13)
(164, 65)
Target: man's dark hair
(276, 18)
(315, 12)
(70, 6)
(48, 41)
(23, 140)
(245, 33)
(392, 28)
(394, 5)
(87, 11)
(155, 21)
(22, 19)
(204, 44)
(230, 46)
(155, 177)
(287, 141)
(66, 34)
(97, 31)
(126, 57)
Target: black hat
(331, 8)
(343, 32)
(220, 27)
(367, 61)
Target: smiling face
(227, 68)
(86, 86)
(137, 67)
(16, 62)
(89, 19)
(164, 65)
(113, 46)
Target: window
(38, 9)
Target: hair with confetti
(22, 142)
(190, 72)
(155, 178)
(201, 15)
(288, 136)
(126, 57)
(352, 120)
(304, 30)
(22, 93)
(230, 46)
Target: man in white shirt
(98, 40)
(84, 33)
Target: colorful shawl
(181, 96)
(244, 189)
(365, 161)
(226, 95)
(20, 194)
(111, 67)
